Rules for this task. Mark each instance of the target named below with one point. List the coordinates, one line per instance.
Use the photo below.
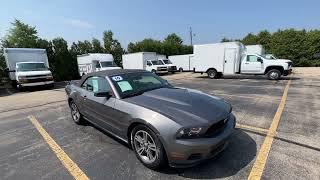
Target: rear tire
(212, 73)
(75, 113)
(148, 148)
(180, 69)
(274, 74)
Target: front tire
(274, 74)
(147, 147)
(75, 113)
(180, 69)
(212, 73)
(153, 71)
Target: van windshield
(108, 64)
(167, 61)
(31, 67)
(157, 62)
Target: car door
(99, 109)
(251, 64)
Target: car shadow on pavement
(240, 152)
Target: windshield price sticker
(117, 78)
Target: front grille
(216, 128)
(37, 80)
(32, 76)
(172, 68)
(162, 69)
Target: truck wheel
(212, 73)
(180, 69)
(153, 71)
(274, 74)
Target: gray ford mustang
(162, 123)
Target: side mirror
(106, 94)
(260, 60)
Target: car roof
(113, 72)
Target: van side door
(252, 64)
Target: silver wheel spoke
(149, 154)
(145, 136)
(152, 147)
(140, 151)
(139, 139)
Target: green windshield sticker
(124, 86)
(95, 85)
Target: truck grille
(216, 128)
(32, 76)
(37, 80)
(172, 68)
(162, 69)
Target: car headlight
(192, 132)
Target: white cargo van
(144, 60)
(28, 67)
(231, 58)
(171, 67)
(255, 49)
(93, 62)
(182, 62)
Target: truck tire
(274, 74)
(153, 71)
(212, 73)
(180, 69)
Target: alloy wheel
(145, 146)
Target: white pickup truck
(231, 58)
(28, 67)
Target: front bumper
(189, 152)
(172, 68)
(36, 84)
(287, 72)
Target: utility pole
(191, 35)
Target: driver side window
(252, 58)
(96, 84)
(149, 63)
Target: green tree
(20, 35)
(96, 46)
(113, 46)
(250, 39)
(65, 63)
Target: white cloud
(77, 23)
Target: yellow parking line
(71, 166)
(258, 166)
(251, 128)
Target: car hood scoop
(184, 106)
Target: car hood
(33, 73)
(184, 106)
(109, 68)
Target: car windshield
(31, 67)
(157, 62)
(167, 61)
(107, 64)
(133, 84)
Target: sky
(134, 20)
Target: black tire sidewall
(212, 72)
(161, 159)
(153, 71)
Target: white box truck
(182, 62)
(255, 49)
(231, 58)
(93, 62)
(144, 60)
(28, 67)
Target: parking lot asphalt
(294, 153)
